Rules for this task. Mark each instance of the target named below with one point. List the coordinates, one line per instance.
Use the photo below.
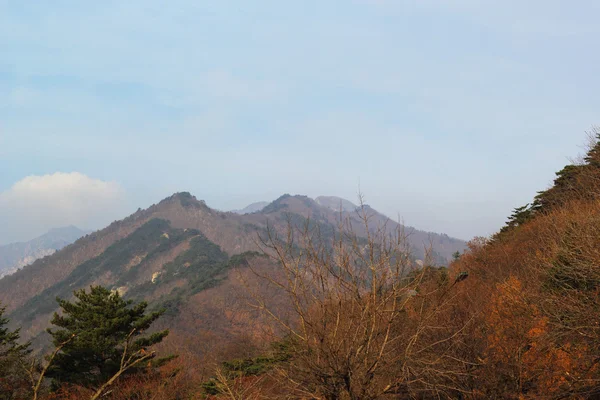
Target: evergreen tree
(593, 155)
(455, 255)
(106, 331)
(574, 181)
(566, 184)
(9, 340)
(13, 383)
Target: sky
(444, 114)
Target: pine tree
(593, 155)
(13, 383)
(107, 334)
(574, 181)
(9, 340)
(456, 255)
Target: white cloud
(36, 204)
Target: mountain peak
(286, 201)
(186, 199)
(336, 203)
(252, 208)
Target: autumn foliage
(329, 315)
(517, 316)
(534, 294)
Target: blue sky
(445, 113)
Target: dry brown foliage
(366, 321)
(535, 296)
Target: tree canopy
(12, 353)
(103, 332)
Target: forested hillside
(514, 317)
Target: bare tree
(365, 316)
(33, 368)
(128, 360)
(237, 388)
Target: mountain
(254, 207)
(514, 316)
(174, 253)
(17, 255)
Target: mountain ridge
(168, 252)
(19, 254)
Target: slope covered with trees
(534, 289)
(514, 317)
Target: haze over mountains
(173, 251)
(254, 207)
(336, 203)
(17, 255)
(332, 202)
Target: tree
(455, 255)
(366, 321)
(580, 180)
(12, 380)
(9, 339)
(107, 338)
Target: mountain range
(179, 255)
(17, 255)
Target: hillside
(171, 251)
(16, 255)
(533, 293)
(514, 316)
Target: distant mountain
(336, 203)
(326, 210)
(172, 253)
(254, 207)
(17, 255)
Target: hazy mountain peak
(336, 203)
(69, 232)
(287, 201)
(251, 208)
(16, 255)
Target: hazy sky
(447, 113)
